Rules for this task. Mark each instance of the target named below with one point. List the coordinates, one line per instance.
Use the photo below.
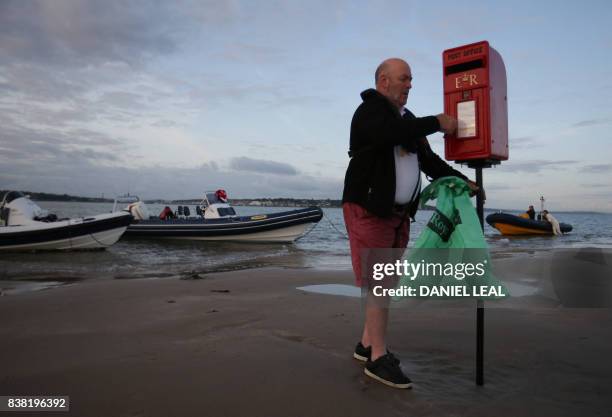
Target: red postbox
(475, 93)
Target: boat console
(17, 209)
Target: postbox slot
(465, 66)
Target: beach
(250, 343)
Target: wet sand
(249, 343)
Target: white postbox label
(466, 117)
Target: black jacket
(376, 129)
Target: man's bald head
(394, 79)
(386, 66)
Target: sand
(249, 343)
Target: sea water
(323, 247)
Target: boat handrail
(208, 196)
(125, 199)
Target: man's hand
(448, 124)
(475, 189)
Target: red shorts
(368, 231)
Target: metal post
(478, 165)
(480, 303)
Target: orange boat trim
(507, 229)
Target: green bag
(453, 237)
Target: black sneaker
(386, 369)
(364, 354)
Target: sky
(170, 99)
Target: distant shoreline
(250, 202)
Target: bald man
(388, 150)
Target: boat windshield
(212, 198)
(125, 199)
(12, 195)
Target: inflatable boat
(509, 224)
(215, 219)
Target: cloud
(262, 166)
(500, 186)
(77, 84)
(31, 150)
(535, 166)
(523, 142)
(271, 95)
(67, 33)
(79, 88)
(122, 99)
(87, 61)
(592, 122)
(596, 185)
(164, 123)
(252, 53)
(87, 177)
(597, 168)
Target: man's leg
(367, 233)
(377, 308)
(375, 329)
(382, 365)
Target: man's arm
(432, 165)
(374, 127)
(435, 167)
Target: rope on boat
(307, 233)
(344, 235)
(94, 238)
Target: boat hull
(510, 225)
(283, 227)
(96, 232)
